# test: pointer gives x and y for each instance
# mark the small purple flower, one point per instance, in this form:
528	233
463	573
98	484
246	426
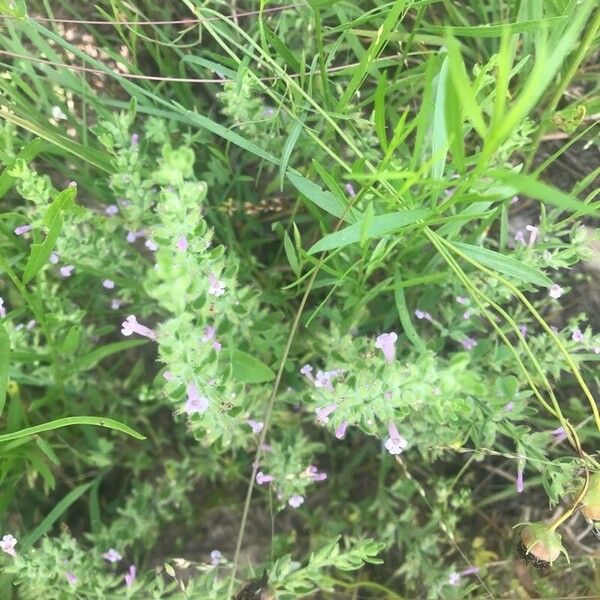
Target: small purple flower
520	237
66	270
256	426
135	139
454	579
519	481
324	412
130	575
395	444
115	303
306	370
261	478
168	375
182	244
509	406
534	230
8	543
323	380
468	343
134	235
386	342
559	435
523	329
151	245
350	189
109	284
111	210
215	286
470	571
421	314
21	229
216	345
54	258
215	557
577	335
340	432
296	501
209	333
555	291
313	473
2	309
462	300
71	578
112	556
195	402
130	325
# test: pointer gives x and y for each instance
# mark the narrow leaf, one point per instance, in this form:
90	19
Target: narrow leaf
248	369
4	362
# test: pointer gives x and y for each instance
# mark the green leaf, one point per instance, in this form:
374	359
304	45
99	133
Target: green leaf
4	362
403	314
248	369
528	185
439	135
68	422
379	226
72	339
27	153
504	264
290	252
288	149
54	515
95	356
323	199
40	253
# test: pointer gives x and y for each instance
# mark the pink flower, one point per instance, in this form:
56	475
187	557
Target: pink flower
216	345
559	435
135	139
8	543
340	432
215	557
112	556
533	233
261	478
421	314
313	473
66	270
195	402
306	370
130	575
350	189
168	375
215	286
555	291
109	284
468	343
71	578
395	444
111	210
182	244
296	501
577	335
209	333
130	325
323	413
21	229
256	426
386	342
323	380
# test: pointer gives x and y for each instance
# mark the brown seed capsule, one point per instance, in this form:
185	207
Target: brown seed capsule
590	505
541	542
257	589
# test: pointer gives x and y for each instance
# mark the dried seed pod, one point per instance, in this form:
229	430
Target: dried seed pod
590	505
257	589
543	543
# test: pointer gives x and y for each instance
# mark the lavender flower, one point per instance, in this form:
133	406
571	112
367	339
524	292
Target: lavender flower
111	210
130	576
555	291
71	578
296	501
115	303
340	432
195	402
209	333
468	343
130	325
509	406
386	342
21	229
54	258
421	314
151	245
559	435
520	237
350	189
2	309
109	284
534	230
323	380
112	556
307	370
523	329
323	413
215	286
395	444
256	426
168	375
135	139
313	473
215	557
182	244
577	335
261	478
519	481
66	270
454	579
8	543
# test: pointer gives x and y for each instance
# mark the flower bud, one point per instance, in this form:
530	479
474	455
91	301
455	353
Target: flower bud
542	542
590	505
